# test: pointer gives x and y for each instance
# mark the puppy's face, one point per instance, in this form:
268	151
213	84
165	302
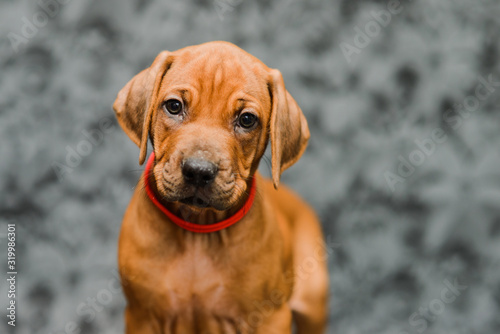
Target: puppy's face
209	130
209	111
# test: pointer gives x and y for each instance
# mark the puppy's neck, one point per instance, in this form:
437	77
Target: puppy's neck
201	216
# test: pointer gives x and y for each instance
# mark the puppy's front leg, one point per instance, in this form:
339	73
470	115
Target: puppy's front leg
138	322
279	322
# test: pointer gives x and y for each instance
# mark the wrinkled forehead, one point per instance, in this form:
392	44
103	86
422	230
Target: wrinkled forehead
219	74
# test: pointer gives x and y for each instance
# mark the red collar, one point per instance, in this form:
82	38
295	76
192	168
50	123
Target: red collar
197	227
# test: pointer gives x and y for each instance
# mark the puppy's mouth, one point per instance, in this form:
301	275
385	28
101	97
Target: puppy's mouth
195	201
201	198
218	198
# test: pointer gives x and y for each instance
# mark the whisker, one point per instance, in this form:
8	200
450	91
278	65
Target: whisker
241	177
243	191
268	162
135	170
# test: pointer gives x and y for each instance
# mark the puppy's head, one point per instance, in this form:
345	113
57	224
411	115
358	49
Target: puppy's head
209	111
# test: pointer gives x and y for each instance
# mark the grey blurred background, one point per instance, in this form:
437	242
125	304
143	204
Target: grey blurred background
403	165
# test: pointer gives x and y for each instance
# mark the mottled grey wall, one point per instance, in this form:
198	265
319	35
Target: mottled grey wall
402	167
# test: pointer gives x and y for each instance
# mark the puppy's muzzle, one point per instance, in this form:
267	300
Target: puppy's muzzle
199	172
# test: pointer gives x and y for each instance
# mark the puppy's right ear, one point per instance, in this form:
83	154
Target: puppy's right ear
135	103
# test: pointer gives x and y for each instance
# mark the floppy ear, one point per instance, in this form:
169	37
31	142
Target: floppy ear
134	106
289	130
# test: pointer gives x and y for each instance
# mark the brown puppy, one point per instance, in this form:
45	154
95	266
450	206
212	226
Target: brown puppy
209	111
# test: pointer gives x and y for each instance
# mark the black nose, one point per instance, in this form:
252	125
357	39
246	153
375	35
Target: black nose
198	172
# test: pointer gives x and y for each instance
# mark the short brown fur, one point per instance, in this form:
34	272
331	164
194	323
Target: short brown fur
243	279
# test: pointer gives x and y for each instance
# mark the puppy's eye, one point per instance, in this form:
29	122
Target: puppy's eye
247	120
173	106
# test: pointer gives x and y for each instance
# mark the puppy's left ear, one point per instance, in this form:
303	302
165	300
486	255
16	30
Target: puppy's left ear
289	130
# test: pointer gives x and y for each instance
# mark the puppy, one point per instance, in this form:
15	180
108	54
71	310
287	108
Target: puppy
207	244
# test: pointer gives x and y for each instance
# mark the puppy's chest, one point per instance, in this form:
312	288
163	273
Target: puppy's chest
196	280
203	282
